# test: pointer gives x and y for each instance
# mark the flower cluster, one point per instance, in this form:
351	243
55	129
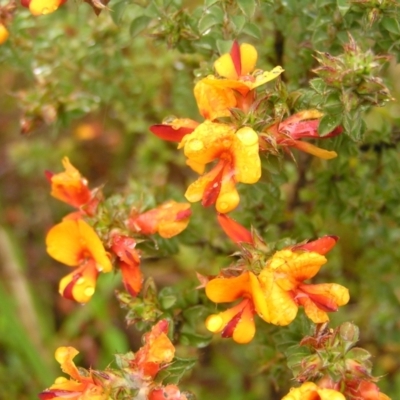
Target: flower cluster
233	145
277	291
76	243
136	375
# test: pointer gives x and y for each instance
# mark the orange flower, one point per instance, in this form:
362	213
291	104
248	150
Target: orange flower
128	262
310	391
363	389
168	220
80	387
157	351
299	126
282	281
238	161
42	7
235	85
236	322
76	244
69	186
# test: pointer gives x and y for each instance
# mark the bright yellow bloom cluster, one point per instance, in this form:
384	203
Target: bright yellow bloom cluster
276	293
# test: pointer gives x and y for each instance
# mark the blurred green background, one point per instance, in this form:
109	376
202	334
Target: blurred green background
87	87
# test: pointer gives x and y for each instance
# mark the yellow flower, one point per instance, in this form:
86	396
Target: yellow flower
76	244
282	281
238	161
238	321
235	85
80	387
310	391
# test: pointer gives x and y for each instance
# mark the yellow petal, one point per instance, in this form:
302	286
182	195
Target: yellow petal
247	158
245	329
225	290
73	241
225	67
266	76
3	33
207	142
314	150
248	58
64	356
243	87
42	7
80	284
213	102
281	308
161	350
297	265
228	198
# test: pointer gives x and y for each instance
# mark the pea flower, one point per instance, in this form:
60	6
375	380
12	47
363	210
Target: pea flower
234	87
238	321
310	391
76	244
156	353
237	161
80	387
170	392
129	263
69	186
173	130
282	281
168	220
289	132
363	389
42	7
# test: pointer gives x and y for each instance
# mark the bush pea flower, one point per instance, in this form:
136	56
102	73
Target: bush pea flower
235	85
76	244
310	391
237	158
42	7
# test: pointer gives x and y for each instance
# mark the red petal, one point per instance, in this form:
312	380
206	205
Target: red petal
48	175
167	132
231	325
235	231
236	57
321	246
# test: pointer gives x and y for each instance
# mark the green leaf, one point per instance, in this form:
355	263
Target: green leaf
252	30
176	369
391	24
343	6
318	85
138	25
207	21
329	123
248	7
238	22
224	46
209	3
118	11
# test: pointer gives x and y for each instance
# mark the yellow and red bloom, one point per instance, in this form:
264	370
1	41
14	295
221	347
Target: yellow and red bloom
80	387
310	391
156	353
42	7
168	220
288	133
238	321
238	161
69	186
76	244
363	389
128	262
282	281
234	88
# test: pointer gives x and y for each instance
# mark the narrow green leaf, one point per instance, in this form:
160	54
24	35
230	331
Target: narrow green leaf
343	6
238	22
118	10
206	22
391	24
